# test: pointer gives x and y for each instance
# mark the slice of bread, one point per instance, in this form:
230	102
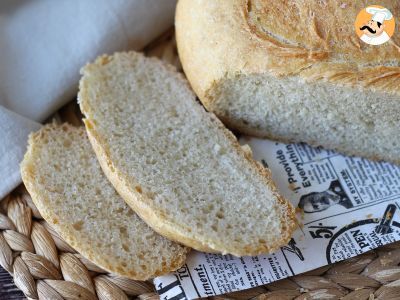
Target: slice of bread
294	71
175	164
64	178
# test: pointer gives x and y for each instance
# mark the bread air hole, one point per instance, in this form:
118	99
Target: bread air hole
125	247
67	143
78	225
220	215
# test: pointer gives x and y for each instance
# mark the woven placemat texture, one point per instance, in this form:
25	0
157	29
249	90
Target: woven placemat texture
44	266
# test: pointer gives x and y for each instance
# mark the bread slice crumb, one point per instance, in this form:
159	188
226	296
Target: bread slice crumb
175	164
61	172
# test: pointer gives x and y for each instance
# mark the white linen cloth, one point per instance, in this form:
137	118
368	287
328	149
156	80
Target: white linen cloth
44	43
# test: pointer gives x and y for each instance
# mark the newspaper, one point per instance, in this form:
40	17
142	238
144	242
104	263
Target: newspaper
348	206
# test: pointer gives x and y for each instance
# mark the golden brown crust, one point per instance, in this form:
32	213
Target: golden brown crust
162	223
312	39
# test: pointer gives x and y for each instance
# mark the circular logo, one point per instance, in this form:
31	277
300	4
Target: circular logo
375	25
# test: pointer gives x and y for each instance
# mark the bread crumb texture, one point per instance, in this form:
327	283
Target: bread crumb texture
176	164
64	178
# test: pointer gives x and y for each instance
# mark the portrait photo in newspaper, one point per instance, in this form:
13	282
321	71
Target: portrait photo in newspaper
318	201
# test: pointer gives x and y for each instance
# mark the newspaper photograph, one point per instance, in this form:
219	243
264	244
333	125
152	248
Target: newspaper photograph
346	206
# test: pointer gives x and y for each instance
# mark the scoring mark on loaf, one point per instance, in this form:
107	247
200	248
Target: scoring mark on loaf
260	14
325	51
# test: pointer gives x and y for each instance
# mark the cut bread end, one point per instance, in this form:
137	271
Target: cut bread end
67	185
345	119
175	164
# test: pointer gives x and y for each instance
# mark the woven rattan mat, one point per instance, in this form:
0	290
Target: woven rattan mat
44	266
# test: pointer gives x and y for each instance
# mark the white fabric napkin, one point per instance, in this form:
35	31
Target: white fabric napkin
44	43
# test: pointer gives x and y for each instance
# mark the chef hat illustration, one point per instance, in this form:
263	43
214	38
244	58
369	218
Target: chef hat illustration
379	14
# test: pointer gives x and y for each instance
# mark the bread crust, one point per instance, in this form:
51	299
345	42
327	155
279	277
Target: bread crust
312	42
160	222
67	232
222	38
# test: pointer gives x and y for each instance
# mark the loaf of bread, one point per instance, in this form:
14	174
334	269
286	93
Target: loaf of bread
294	71
175	164
61	172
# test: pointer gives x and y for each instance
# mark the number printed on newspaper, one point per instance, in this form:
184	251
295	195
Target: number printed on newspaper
347	206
